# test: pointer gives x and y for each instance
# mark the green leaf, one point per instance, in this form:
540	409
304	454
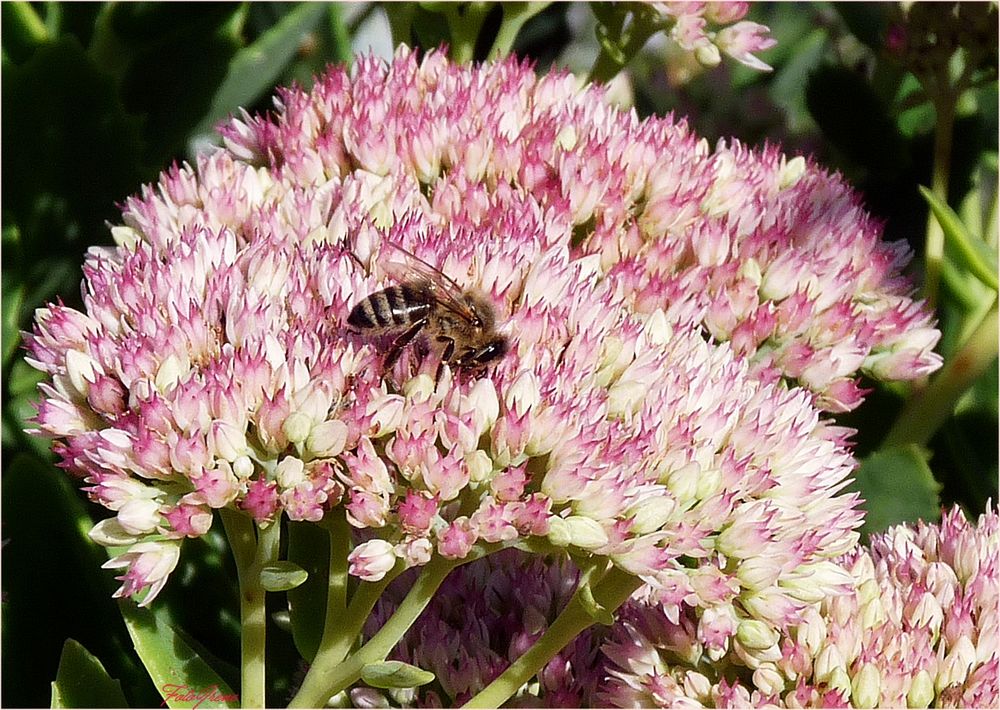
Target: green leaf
428	28
255	68
975	255
395	674
898	487
282	576
785	88
13	298
54	587
82	681
171	61
70	151
172	664
868	21
23	29
309	548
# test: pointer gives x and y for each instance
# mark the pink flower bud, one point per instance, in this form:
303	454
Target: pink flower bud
371	560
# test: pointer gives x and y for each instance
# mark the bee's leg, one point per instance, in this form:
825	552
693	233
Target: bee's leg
400	342
449	350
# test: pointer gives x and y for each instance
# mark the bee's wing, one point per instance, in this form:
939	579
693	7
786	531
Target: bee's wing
405	266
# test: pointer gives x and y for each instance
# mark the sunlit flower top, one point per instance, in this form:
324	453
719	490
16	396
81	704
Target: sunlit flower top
213	366
918	628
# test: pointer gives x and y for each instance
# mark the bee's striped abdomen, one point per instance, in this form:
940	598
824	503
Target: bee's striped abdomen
394	307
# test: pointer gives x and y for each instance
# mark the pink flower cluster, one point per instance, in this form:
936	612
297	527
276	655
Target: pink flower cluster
918	628
213	366
704	29
482	619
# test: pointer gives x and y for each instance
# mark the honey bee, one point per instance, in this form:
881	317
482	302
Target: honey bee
459	324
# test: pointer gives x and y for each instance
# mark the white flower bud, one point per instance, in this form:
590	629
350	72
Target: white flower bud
811	633
612	363
813	583
651	514
419	388
566	138
955	667
658	329
750	270
755	634
81	370
709	483
756	573
387	414
479	465
828	660
139	516
586	533
697	686
126	237
243	467
327	438
769	681
625	397
866	688
227	441
840	680
290	472
485	405
371	560
559	532
297	427
708	55
523	395
110	533
790	171
170	372
921	692
683	483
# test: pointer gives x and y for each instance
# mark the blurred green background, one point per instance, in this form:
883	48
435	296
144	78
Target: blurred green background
99	97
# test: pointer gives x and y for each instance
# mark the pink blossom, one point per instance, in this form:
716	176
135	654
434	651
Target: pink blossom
610	249
148	565
371	560
910	629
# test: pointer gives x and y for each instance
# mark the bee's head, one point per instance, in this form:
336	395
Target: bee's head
483	313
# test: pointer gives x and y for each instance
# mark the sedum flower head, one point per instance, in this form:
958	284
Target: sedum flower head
213	366
917	628
482	619
703	31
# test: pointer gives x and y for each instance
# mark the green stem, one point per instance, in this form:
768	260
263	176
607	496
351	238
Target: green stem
605	68
253	614
339	34
326	678
26	23
400	16
340	547
934	252
343	628
464	23
610	593
928	409
515	14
